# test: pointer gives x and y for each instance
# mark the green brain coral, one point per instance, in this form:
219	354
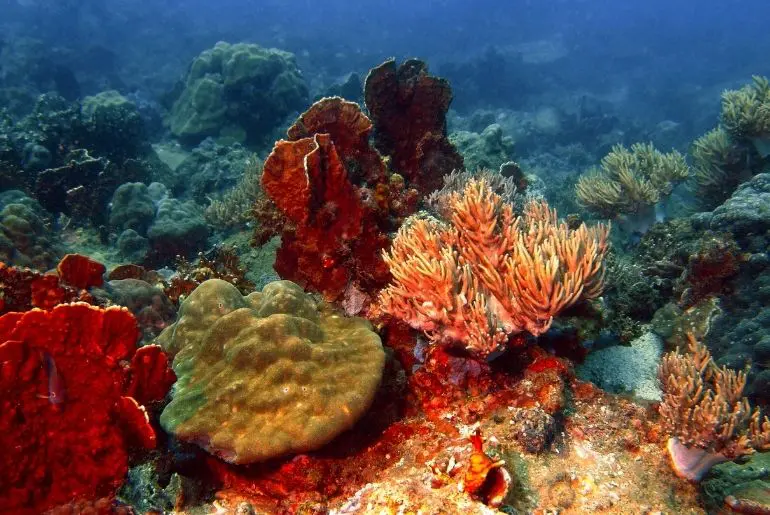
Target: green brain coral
273	373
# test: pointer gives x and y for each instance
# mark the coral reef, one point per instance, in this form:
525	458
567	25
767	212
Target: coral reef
242	91
132	207
507	187
705	413
235	207
631	181
746	113
109	117
335	233
739	485
82	187
487	150
210	170
178	229
67	416
720	165
490	274
465	391
408	108
221	262
25	235
268	374
132	246
148	303
746	214
24	289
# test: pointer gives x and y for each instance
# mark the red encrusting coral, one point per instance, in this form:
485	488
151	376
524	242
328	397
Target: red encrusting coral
22	289
66	420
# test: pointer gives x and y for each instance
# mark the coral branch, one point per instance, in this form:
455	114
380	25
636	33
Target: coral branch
489	273
705	413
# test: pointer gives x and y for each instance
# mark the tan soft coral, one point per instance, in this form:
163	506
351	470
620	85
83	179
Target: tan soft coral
705	413
488	273
746	111
631	180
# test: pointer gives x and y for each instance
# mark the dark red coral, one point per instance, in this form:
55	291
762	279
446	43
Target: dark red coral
22	289
408	107
349	129
710	268
81	271
65	419
151	375
333	234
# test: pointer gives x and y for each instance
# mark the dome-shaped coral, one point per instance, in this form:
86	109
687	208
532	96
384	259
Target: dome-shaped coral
269	374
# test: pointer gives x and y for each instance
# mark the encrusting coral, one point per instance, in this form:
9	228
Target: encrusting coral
705	413
269	374
489	273
631	180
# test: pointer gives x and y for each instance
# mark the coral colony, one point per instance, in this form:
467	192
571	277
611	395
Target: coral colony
361	321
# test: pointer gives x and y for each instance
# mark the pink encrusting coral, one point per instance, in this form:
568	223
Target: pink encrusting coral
705	413
489	273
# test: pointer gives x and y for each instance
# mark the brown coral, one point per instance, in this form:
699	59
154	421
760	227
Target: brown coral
705	413
630	180
408	107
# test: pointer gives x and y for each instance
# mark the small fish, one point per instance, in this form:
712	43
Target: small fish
57	393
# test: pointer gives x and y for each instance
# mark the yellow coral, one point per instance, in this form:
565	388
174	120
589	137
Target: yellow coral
268	374
746	111
711	154
630	180
489	273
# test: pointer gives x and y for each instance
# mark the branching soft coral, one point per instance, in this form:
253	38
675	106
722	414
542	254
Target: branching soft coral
746	111
489	273
705	413
630	181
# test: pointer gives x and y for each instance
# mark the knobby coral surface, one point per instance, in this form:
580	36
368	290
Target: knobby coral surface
703	408
489	273
269	374
67	408
631	180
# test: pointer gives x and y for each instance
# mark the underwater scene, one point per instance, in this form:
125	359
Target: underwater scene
384	257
